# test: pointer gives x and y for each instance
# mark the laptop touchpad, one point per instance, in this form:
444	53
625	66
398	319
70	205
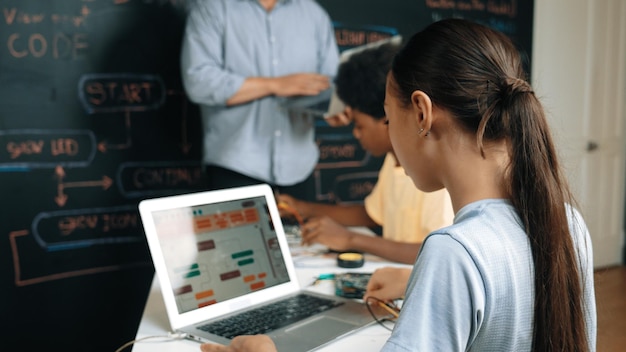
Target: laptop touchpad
324	328
312	334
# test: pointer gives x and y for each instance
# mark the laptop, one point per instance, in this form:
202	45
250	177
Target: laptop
223	255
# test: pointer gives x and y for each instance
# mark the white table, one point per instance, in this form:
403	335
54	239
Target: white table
154	321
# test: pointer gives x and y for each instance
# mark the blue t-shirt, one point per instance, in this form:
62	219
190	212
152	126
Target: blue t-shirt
472	286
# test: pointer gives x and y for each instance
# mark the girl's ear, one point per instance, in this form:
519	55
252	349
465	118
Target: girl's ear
422	107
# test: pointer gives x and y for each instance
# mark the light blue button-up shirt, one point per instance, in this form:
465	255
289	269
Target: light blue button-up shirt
228	40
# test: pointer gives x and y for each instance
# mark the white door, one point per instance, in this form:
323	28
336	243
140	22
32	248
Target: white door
579	72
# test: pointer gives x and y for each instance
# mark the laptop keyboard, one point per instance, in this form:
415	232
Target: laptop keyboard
270	317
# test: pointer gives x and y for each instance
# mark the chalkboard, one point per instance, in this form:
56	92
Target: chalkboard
93	119
345	172
365	20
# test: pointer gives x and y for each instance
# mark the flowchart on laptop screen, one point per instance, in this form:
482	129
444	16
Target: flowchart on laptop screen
219	251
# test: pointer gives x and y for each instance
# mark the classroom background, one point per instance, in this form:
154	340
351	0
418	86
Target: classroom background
93	119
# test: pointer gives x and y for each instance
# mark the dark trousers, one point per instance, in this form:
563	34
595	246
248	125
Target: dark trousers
220	178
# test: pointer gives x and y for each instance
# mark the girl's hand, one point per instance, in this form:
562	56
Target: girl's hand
244	343
388	283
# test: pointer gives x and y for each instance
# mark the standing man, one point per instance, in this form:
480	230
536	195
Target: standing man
245	62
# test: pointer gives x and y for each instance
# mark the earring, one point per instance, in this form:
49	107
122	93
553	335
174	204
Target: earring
420	131
427	133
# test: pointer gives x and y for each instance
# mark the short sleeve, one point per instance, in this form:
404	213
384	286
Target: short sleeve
374	202
445	300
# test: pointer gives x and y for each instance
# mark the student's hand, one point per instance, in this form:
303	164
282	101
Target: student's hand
244	343
328	232
289	206
299	84
388	283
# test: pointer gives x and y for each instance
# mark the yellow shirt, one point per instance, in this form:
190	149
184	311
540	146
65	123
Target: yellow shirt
406	213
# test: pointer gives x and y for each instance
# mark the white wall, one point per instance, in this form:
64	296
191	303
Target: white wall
578	71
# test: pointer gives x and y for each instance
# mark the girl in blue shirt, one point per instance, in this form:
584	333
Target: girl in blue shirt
515	270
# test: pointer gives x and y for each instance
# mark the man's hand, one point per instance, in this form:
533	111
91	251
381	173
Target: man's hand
244	343
285	86
299	84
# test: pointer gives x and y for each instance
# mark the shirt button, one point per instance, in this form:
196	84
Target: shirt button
272	39
277	133
275	62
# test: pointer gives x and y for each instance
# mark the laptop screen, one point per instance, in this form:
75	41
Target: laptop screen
218	251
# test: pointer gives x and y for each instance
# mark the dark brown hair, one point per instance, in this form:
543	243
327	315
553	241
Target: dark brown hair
360	81
477	74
